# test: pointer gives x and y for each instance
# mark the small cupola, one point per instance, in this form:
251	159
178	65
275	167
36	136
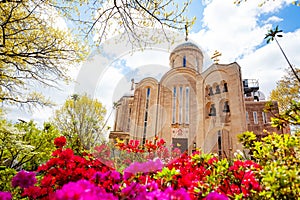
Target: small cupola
188	55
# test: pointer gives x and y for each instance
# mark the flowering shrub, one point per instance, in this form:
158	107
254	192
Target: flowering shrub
5	196
60	142
82	189
279	154
24	179
216	196
121	155
149	166
63	168
201	174
196	176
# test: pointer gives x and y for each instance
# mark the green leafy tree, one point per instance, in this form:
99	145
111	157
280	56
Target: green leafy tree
81	118
290	116
33	51
287	90
24	146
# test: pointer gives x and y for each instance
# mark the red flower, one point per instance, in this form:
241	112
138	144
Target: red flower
59	142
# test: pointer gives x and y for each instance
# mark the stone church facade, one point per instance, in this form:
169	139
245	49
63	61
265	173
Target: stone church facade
188	107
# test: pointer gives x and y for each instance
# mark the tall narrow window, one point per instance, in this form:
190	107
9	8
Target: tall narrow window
264	116
247	117
146	114
180	104
220	143
226	107
255	117
128	122
212	111
184	61
174	106
225	88
197	64
187	105
218	91
210	93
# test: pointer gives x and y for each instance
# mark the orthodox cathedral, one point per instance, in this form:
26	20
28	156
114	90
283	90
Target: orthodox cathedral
191	108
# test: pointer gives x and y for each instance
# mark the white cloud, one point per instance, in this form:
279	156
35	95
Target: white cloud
273	19
236	32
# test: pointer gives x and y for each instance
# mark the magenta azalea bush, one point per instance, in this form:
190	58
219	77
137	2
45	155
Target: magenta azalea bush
24	179
67	176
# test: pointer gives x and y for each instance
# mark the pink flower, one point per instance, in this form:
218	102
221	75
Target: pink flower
24	179
82	190
145	167
5	196
216	196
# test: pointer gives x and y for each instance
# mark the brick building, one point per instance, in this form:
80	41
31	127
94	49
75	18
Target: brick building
190	108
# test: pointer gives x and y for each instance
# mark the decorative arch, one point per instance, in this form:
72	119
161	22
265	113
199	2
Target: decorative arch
147	82
189	72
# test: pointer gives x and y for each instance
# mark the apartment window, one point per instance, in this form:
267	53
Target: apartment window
180	104
264	117
184	61
146	114
187	104
174	106
255	117
247	117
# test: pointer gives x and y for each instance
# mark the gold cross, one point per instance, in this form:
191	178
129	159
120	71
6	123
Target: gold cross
216	56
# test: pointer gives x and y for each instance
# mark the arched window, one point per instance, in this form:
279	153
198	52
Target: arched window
210	92
212	110
218	89
187	105
174	106
184	61
180	104
146	114
226	107
225	88
220	143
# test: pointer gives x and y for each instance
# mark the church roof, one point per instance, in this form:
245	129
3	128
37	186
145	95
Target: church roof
186	44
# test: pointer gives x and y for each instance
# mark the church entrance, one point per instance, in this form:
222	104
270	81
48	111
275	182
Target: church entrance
180	143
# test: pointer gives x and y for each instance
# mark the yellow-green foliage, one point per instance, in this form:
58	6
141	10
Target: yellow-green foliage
24	146
33	49
279	155
83	118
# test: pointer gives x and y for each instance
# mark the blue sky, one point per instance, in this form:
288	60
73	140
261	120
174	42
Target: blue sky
290	15
236	31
